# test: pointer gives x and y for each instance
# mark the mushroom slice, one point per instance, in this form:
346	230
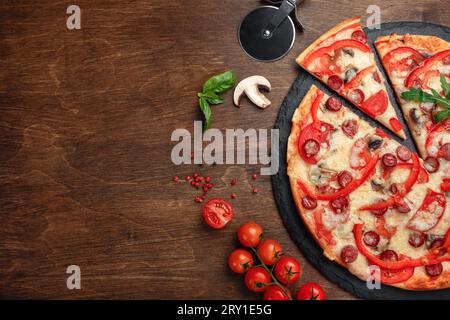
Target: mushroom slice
250	87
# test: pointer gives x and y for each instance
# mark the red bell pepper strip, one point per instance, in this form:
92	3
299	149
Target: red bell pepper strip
428	259
426	65
335	46
356	80
402	189
323	233
423	174
315	108
353	185
446	244
430	212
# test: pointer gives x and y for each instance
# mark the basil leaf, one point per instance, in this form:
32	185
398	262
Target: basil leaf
220	83
416	95
211	97
206	109
442	115
422	96
445	86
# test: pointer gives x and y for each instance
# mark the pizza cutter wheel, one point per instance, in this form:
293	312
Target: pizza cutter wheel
267	33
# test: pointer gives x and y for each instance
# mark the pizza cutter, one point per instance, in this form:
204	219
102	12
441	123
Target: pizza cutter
267	33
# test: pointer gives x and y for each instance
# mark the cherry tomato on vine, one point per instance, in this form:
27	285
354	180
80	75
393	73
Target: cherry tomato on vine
274	292
217	213
249	234
311	291
287	270
257	279
269	251
240	260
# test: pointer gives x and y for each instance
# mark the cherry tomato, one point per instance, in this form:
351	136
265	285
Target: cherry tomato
217	213
269	251
274	292
287	270
240	260
249	234
311	291
257	279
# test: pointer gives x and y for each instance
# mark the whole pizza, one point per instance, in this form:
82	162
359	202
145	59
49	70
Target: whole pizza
373	205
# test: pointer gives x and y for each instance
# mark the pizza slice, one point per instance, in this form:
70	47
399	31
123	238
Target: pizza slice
342	59
366	199
417	66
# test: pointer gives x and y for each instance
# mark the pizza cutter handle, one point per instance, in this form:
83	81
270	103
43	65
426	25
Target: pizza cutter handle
282	13
277	19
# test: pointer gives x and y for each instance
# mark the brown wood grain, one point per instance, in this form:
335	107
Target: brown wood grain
85	124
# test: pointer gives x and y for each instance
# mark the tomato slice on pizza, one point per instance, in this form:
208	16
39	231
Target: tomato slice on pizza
342	59
419	62
369	202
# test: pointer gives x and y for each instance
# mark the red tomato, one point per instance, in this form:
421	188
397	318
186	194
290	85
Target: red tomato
217	213
311	291
274	292
269	251
376	104
249	234
287	270
402	59
240	260
257	279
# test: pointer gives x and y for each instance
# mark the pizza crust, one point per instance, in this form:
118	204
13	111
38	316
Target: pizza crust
430	44
344	24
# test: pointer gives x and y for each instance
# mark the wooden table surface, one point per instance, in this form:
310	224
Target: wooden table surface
85	123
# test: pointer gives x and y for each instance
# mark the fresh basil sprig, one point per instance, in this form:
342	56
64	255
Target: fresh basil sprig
419	95
210	93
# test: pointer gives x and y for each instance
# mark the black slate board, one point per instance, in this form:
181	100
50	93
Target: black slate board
281	187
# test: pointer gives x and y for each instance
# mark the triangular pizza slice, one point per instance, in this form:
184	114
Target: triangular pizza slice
419	66
342	59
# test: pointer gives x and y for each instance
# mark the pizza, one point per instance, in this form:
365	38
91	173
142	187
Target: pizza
418	62
342	59
368	201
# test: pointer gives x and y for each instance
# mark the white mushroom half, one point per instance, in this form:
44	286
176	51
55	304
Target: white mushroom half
250	87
